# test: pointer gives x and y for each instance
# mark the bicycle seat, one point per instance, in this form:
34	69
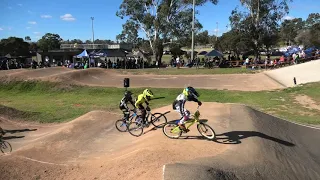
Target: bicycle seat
203	120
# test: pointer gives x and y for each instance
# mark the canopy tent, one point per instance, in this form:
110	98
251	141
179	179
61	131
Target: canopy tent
83	54
100	53
214	53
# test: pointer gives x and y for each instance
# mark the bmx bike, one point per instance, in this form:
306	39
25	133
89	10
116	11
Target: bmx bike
122	124
135	128
172	129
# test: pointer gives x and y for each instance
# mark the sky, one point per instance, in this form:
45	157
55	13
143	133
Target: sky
71	18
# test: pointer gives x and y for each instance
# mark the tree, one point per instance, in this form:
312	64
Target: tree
203	38
49	42
313	18
14	46
233	41
33	47
260	17
27	38
160	20
289	29
175	49
315	35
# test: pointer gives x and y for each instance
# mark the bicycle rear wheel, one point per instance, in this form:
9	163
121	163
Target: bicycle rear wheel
135	128
206	131
121	125
5	147
158	120
172	130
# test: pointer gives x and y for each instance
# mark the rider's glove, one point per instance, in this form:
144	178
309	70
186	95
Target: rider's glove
199	103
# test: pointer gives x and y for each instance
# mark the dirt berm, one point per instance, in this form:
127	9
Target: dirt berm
250	145
262	147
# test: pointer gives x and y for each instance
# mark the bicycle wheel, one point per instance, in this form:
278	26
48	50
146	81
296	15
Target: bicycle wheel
121	125
205	129
135	128
5	147
158	120
172	130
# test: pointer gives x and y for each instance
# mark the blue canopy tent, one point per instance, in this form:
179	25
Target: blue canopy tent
82	55
214	53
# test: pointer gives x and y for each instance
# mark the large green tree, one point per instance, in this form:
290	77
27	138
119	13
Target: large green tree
259	18
290	28
203	38
159	20
14	46
49	42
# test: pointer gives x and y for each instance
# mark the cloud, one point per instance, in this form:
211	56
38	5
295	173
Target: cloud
32	22
9	28
36	32
9	7
28	27
1	29
288	17
67	17
46	16
30	12
19	4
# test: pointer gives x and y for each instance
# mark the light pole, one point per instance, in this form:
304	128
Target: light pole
192	45
217	32
92	18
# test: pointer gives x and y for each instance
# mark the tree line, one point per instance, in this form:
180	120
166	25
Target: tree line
258	26
16	46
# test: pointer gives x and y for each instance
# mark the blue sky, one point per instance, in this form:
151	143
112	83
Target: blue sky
71	19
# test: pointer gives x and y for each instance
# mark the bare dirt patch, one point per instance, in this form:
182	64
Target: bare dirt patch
307	102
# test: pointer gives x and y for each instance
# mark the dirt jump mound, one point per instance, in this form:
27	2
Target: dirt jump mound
261	147
249	145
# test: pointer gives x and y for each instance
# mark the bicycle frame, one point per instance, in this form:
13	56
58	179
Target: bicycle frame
189	123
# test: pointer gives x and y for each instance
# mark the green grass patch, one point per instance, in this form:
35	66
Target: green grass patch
187	71
53	102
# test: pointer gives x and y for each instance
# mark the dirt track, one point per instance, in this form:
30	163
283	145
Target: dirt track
93	148
250	145
109	78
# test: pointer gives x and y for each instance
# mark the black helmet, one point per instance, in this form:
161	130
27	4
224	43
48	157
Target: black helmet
191	92
128	94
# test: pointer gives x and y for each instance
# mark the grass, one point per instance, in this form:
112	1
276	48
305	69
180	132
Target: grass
52	102
187	71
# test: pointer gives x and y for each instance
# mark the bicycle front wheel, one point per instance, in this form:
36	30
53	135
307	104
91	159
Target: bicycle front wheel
5	147
172	130
206	131
121	125
158	120
135	128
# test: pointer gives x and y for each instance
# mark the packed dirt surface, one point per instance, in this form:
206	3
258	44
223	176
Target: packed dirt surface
249	145
263	147
90	147
307	102
110	78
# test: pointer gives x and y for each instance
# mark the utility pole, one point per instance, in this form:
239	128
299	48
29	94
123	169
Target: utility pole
92	18
217	32
192	45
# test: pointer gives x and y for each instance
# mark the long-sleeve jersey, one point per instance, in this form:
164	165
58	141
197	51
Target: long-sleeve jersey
124	102
140	100
181	101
